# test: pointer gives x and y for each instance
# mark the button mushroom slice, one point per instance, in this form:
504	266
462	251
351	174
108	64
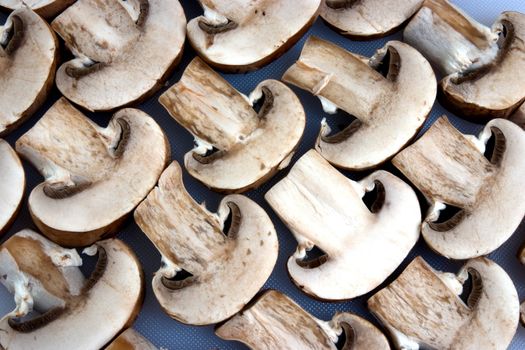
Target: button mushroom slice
422	307
390	95
236	35
94	176
72	311
131	340
274	321
45	8
482	65
368	19
12	185
28	48
209	271
485	205
124	50
519	117
237	148
361	246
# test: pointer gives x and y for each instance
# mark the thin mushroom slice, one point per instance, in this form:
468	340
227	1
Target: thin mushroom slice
274	321
521	257
56	304
237	148
236	35
482	66
390	95
45	8
94	176
28	48
361	246
131	340
124	49
12	185
422	307
482	195
209	271
368	19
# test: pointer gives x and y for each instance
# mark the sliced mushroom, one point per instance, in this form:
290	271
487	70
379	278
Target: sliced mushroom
28	48
131	340
209	271
274	321
124	50
361	246
237	149
368	19
236	35
482	66
519	117
390	95
482	197
93	176
12	185
45	8
56	304
422	307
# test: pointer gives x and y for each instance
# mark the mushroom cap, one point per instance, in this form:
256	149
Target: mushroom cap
249	35
367	19
94	176
131	340
226	269
45	8
250	147
362	247
124	51
450	169
31	52
421	308
389	109
12	185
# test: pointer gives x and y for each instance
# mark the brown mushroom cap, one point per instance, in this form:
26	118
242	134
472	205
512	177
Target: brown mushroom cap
131	340
12	185
45	8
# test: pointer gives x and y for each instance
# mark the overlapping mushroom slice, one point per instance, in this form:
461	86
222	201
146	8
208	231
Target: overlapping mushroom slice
45	8
93	176
482	197
483	66
28	48
367	19
209	271
391	95
131	340
12	185
362	246
422	307
237	148
56	306
124	50
274	321
238	35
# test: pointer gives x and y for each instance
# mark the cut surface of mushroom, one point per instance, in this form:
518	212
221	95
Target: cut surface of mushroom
55	303
482	194
209	271
367	19
422	307
390	107
45	8
131	340
247	147
94	176
274	321
124	50
12	185
361	246
28	48
482	66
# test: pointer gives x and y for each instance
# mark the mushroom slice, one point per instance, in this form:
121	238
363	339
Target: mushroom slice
124	50
93	176
209	271
368	19
45	8
274	321
482	66
28	48
236	35
422	307
56	304
12	185
519	117
131	340
482	197
361	246
390	95
237	149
